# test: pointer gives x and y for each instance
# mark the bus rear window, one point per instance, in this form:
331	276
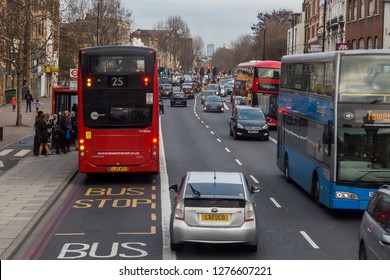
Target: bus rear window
115	64
130	115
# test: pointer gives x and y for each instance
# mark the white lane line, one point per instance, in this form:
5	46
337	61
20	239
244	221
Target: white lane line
254	179
1	164
212	132
273	140
275	202
5	152
227	150
238	162
22	153
219	140
167	253
207	126
311	242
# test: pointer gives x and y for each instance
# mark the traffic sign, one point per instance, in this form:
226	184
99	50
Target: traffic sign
73	73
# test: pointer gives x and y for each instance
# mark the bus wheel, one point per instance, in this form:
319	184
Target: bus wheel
316	188
287	170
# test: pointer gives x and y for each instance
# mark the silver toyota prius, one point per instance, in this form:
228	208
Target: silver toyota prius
214	207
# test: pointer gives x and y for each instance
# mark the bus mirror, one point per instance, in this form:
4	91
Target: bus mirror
326	138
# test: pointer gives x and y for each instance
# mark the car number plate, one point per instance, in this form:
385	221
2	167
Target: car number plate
253	131
119	168
215	217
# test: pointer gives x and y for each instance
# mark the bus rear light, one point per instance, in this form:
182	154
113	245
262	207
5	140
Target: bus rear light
146	81
89	82
155	140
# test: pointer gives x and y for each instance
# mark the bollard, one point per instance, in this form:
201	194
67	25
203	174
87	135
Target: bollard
1	133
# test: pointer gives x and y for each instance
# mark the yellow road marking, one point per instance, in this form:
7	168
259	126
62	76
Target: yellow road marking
152	231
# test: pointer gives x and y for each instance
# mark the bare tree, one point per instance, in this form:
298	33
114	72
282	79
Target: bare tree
224	60
20	48
176	32
269	34
243	49
92	23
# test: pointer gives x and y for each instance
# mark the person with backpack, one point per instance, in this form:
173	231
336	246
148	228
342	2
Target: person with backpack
29	100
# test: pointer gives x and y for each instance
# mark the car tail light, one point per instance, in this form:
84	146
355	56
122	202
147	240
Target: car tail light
249	212
179	211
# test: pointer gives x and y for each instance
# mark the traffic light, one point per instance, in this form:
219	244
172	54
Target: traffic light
208	69
161	71
215	71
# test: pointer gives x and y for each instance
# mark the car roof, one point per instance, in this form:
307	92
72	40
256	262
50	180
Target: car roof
247	107
220	177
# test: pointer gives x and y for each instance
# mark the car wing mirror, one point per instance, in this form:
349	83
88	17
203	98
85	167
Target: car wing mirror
255	189
173	188
385	239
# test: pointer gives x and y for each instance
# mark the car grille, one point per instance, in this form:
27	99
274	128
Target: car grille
253	128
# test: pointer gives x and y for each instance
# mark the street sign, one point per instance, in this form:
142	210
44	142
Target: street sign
73	73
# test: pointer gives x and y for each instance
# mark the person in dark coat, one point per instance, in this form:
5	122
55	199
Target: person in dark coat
43	133
29	100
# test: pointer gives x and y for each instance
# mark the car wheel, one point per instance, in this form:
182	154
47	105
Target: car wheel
287	170
175	246
316	188
171	105
362	252
266	138
230	130
235	135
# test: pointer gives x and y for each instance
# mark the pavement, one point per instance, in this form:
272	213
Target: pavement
30	188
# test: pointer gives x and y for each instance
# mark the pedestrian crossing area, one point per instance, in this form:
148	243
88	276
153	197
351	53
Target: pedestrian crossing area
13	153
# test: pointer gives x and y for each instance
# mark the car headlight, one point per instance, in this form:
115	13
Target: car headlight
265	126
240	126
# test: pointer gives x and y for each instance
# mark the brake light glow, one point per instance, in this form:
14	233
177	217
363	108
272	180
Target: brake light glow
89	82
146	81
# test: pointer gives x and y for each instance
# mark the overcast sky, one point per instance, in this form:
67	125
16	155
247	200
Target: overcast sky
215	21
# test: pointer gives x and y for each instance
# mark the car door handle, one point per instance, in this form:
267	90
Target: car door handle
369	229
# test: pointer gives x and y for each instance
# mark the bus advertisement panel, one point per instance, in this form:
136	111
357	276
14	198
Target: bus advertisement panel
258	81
118	110
334	125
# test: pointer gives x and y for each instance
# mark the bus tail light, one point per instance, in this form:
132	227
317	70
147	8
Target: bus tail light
89	82
81	145
146	81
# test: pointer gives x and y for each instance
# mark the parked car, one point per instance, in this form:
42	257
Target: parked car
374	232
247	121
166	90
178	99
205	94
214	207
213	103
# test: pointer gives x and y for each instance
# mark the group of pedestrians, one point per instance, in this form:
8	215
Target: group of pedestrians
60	133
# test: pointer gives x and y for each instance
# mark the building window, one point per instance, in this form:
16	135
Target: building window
362	10
376	43
361	44
370	7
355	5
369	43
354	44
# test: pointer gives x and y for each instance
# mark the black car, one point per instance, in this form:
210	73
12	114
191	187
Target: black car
166	90
205	94
188	89
213	103
247	121
178	99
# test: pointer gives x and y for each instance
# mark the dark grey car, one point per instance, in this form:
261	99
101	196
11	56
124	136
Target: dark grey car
250	122
213	103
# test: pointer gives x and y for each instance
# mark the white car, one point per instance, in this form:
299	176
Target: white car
214	207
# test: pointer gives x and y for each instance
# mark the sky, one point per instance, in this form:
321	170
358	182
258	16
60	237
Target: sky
217	22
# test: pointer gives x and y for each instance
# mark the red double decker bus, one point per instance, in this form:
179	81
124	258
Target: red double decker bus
118	110
258	81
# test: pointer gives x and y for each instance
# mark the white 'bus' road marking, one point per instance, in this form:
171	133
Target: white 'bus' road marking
311	242
22	153
275	202
238	162
254	179
5	152
227	150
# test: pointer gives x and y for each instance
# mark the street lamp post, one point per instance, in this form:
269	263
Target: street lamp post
323	26
264	45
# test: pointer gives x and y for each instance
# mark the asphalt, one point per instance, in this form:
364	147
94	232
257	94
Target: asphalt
29	189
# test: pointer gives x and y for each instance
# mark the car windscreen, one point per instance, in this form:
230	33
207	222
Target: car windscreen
250	115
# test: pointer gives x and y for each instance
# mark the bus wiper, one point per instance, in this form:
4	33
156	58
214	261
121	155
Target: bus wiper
375	101
367	173
194	191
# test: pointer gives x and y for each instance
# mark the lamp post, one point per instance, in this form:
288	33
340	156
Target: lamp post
264	45
323	26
